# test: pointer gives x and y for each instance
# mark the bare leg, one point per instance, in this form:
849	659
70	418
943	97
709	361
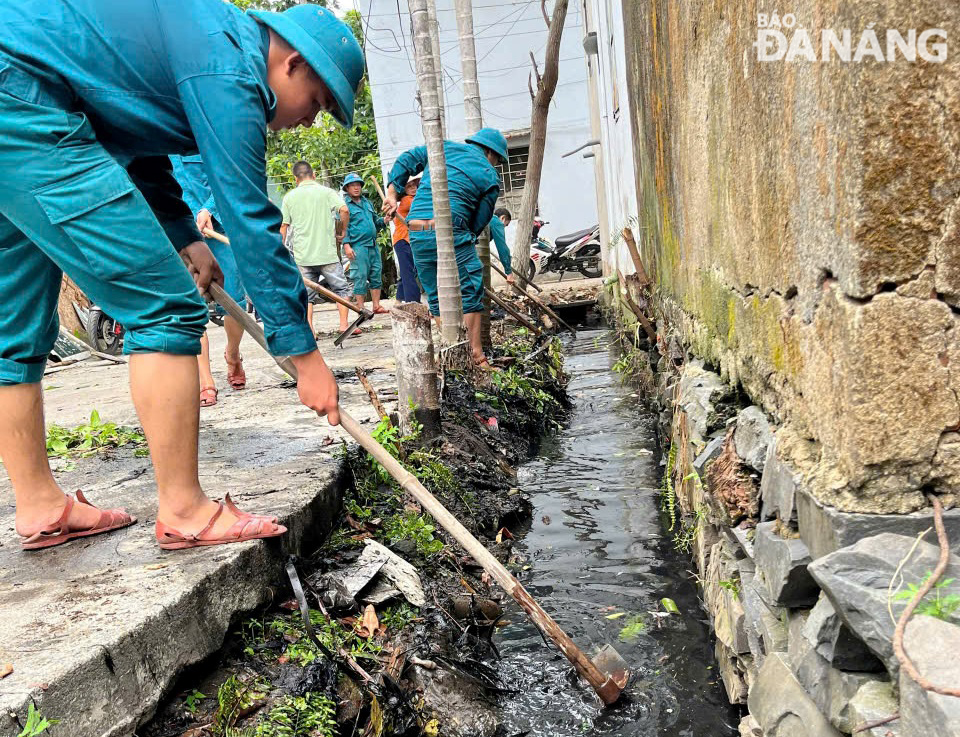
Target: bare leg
472	322
343	317
358	300
234	331
375	295
203	362
167	398
23	449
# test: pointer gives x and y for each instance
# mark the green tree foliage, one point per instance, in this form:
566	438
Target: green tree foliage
277	5
331	150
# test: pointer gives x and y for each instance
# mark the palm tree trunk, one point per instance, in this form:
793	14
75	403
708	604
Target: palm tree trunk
448	280
474	120
438	63
546	86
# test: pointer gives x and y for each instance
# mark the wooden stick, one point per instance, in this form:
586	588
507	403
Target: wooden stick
605	685
635	256
383	197
536	300
374	399
635	309
509	309
211	233
522	278
108	357
333	297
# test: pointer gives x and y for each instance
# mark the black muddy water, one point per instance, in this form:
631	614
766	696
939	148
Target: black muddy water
600	562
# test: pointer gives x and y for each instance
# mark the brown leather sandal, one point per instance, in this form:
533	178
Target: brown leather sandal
236	376
246	528
59	532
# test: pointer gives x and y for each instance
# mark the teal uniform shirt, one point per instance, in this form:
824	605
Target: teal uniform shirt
474	186
499	235
364	223
146	80
366	270
472	180
190	175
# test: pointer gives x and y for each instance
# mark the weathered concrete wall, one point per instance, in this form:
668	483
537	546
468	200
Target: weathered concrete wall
802	222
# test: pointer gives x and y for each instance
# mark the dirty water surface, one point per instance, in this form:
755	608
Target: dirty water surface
600	561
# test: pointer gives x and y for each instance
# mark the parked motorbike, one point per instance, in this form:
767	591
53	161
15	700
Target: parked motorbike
105	333
579	251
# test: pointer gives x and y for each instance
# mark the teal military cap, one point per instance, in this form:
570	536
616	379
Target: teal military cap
328	45
492	139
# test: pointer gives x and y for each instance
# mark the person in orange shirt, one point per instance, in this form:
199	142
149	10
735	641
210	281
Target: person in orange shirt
408	290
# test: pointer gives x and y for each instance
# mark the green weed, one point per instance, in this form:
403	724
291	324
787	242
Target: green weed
688	530
941	606
193	700
312	715
634	627
668	494
36	722
331	634
410	526
397	617
732	585
235	697
88	439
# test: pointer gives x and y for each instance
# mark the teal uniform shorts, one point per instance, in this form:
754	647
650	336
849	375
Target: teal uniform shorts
66	205
366	269
424	246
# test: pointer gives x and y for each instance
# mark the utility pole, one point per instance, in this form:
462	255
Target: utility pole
473	115
448	280
546	86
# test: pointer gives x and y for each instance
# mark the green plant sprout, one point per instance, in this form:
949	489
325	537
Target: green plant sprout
87	439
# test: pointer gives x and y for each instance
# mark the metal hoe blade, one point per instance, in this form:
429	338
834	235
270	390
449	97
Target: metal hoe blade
609	662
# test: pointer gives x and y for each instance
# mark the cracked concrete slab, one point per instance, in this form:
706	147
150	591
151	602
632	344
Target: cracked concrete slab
98	629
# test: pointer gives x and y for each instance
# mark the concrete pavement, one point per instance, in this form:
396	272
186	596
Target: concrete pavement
97	630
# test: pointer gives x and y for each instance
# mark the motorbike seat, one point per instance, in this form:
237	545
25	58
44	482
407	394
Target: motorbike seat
566	240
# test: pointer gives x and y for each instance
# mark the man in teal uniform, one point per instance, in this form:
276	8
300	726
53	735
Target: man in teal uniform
501	219
360	244
474	186
94	96
189	173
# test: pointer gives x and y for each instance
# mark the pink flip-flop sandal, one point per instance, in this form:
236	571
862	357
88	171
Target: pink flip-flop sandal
59	532
245	528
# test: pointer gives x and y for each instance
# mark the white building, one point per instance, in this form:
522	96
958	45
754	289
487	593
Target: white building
506	32
616	184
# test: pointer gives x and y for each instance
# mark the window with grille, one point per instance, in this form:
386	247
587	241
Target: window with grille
513	174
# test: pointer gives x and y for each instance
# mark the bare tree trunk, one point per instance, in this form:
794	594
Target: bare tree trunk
70	293
438	62
418	385
473	115
546	86
448	279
